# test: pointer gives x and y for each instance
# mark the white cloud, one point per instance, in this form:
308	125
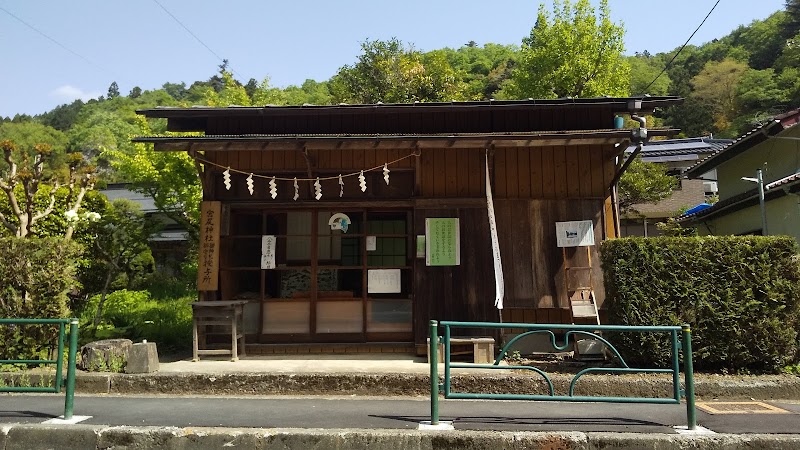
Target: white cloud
68	93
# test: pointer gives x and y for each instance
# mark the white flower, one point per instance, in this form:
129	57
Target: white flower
72	215
91	216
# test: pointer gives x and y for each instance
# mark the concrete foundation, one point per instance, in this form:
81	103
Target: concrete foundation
35	437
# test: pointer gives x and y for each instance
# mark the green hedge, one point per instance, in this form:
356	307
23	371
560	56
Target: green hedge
35	276
740	294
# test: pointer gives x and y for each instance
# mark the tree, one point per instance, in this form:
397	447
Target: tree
122	240
574	53
136	92
21	183
62	117
389	72
482	69
792	24
716	86
170	178
643	182
175	90
113	91
646	70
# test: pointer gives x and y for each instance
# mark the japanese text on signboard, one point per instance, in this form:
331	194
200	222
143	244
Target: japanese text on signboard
207	273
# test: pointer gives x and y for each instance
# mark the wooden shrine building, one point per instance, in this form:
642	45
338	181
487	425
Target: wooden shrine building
335	223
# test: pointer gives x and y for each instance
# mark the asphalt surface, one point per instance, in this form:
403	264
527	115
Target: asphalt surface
385	413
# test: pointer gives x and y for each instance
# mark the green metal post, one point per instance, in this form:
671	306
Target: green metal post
60	356
691	413
433	356
73	350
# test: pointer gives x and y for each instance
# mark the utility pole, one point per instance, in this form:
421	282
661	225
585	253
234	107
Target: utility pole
759	179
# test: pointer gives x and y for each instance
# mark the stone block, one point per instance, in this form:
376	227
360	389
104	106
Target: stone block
108	355
49	437
142	358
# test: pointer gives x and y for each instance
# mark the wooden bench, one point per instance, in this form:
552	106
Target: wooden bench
481	349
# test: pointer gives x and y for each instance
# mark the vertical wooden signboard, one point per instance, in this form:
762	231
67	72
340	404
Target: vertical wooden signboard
208	266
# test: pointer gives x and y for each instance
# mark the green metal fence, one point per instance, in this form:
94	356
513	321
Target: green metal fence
684	343
59	381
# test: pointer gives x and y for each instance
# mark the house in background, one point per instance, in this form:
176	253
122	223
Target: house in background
774	149
677	155
355	225
170	245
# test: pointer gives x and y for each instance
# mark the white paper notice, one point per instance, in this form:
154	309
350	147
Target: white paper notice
268	252
372	243
579	233
383	281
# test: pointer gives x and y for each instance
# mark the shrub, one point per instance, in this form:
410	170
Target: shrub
136	315
35	275
741	295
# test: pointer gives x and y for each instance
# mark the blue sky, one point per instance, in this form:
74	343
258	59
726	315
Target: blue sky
136	43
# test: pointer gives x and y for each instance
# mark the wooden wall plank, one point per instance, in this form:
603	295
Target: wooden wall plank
598	185
585	171
427	161
548	173
524	172
536	172
439	174
511	178
560	179
464	179
450	172
347	161
500	174
574	180
521	260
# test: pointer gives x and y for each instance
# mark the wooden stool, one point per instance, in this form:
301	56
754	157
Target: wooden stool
227	314
482	349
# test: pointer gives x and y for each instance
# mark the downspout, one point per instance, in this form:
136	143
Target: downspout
637	136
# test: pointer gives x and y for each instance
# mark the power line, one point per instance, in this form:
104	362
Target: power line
194	35
682	47
85	59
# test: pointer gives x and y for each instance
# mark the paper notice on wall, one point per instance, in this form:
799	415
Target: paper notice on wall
268	252
372	243
384	281
579	233
442	242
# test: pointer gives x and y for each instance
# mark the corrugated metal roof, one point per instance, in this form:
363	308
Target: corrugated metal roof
145	202
688	146
648	104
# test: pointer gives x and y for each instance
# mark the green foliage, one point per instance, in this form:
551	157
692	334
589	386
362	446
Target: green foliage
574	53
136	315
389	72
741	296
645	69
643	182
716	86
170	178
483	70
35	276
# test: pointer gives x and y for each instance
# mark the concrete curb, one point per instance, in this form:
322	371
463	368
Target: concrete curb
85	437
771	387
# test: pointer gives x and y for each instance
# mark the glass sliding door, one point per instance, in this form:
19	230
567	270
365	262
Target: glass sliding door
311	282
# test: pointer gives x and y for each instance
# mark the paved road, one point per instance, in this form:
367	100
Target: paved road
392	413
